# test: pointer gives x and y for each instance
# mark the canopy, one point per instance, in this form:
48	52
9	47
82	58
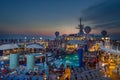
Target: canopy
110	50
76	42
8	46
35	46
38	54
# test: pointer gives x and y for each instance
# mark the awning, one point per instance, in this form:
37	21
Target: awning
77	42
8	46
35	46
110	50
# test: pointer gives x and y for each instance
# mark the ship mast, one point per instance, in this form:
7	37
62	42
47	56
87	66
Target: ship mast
80	27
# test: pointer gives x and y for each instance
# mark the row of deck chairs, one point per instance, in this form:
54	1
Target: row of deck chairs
90	75
82	69
22	77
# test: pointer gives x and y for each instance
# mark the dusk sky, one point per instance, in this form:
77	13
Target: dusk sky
44	17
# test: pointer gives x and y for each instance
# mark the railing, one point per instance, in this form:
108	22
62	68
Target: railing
111	49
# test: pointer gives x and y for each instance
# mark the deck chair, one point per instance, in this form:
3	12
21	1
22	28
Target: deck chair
34	78
82	69
93	76
79	77
40	78
89	77
79	70
72	77
86	68
105	78
99	73
83	76
96	74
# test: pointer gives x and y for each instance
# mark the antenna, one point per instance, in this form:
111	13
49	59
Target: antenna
80	20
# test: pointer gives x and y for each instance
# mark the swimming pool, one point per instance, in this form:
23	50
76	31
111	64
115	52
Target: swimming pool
71	60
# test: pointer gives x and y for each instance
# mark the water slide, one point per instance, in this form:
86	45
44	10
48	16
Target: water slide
64	76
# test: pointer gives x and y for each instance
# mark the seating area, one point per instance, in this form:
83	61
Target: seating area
77	73
22	74
22	77
55	71
88	75
85	73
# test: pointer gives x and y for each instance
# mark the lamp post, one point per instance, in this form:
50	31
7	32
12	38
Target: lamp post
40	38
45	77
47	68
117	58
25	40
117	47
33	40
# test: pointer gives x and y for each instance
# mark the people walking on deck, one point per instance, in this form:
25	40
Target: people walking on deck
67	74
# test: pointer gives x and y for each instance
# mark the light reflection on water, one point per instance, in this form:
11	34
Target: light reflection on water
71	60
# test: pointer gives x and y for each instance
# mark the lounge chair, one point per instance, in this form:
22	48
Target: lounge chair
89	77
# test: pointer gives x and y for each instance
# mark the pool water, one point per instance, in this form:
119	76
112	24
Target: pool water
71	60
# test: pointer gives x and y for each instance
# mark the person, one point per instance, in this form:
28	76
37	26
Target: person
72	68
68	72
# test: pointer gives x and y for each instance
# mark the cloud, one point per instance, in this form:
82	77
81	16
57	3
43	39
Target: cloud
105	15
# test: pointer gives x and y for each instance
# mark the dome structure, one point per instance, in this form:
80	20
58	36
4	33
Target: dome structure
57	34
87	29
104	33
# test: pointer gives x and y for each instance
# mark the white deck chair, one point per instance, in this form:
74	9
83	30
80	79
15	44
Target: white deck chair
41	78
79	77
105	78
93	76
96	74
21	77
82	69
83	76
79	70
88	76
33	77
99	73
86	68
72	77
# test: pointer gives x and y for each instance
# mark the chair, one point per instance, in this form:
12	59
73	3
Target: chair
72	77
88	76
16	78
78	70
11	77
79	77
86	68
83	76
93	76
105	78
21	77
5	77
40	78
34	78
82	69
96	74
